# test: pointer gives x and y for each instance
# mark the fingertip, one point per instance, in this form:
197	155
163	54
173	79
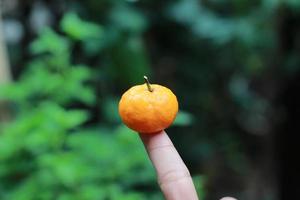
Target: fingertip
151	134
151	140
173	176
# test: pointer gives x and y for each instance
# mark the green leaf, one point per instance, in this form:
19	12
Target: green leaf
293	4
68	168
25	191
199	182
91	191
206	24
130	56
110	110
128	19
78	29
50	42
183	119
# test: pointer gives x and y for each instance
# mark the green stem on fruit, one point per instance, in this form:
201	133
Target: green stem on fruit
148	84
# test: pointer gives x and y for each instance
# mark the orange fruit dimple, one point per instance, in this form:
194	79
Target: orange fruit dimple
148	112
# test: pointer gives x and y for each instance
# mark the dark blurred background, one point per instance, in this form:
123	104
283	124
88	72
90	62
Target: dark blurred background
234	66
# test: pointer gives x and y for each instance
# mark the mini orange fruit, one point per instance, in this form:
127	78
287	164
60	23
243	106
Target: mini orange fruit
148	108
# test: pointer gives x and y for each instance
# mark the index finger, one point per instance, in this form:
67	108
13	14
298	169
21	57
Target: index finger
173	176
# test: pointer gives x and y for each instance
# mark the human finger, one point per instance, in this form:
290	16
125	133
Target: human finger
228	198
173	176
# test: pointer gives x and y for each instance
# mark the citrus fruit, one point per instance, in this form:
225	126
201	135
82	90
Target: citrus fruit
148	108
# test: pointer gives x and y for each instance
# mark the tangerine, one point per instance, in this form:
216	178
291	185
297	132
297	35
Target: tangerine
148	108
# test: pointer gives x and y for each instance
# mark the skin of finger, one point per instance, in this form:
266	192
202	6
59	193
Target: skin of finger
181	189
173	176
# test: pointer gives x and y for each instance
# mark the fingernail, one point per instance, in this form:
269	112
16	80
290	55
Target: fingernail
228	198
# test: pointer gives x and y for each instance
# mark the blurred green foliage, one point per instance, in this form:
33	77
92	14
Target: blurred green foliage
225	60
46	151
